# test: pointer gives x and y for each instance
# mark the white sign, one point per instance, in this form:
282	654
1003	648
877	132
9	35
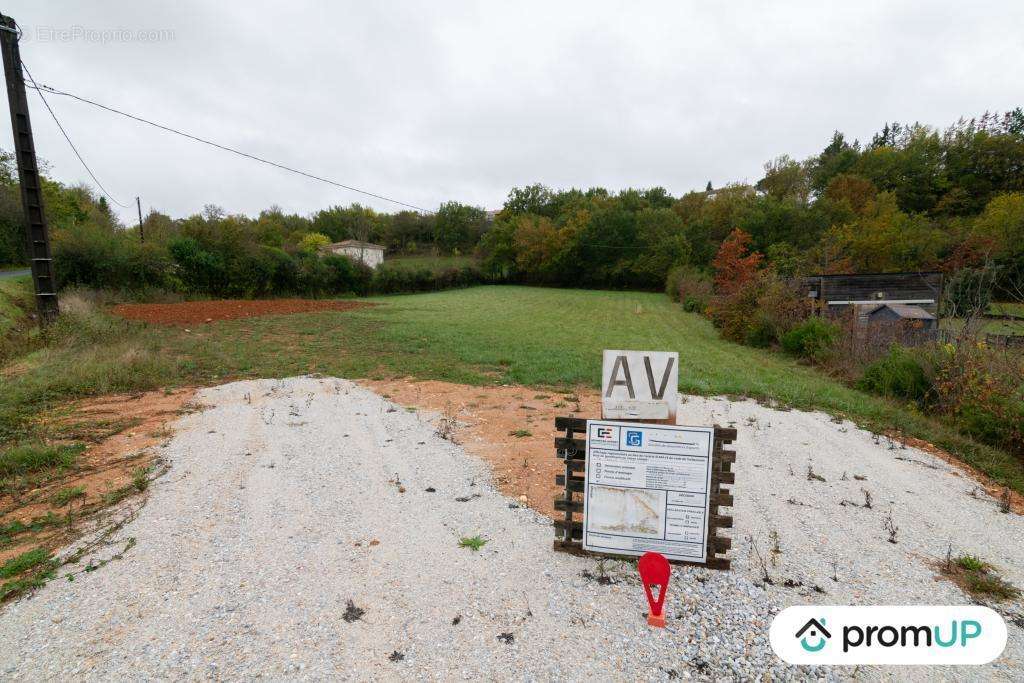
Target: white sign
888	634
647	489
640	385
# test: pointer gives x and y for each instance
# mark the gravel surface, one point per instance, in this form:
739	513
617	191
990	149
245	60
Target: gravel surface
309	529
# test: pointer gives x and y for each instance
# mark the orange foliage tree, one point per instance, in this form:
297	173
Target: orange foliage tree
734	265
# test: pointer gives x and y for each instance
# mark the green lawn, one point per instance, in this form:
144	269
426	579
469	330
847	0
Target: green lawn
434	264
543	337
1007	309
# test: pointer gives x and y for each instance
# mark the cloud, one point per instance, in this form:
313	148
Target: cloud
427	102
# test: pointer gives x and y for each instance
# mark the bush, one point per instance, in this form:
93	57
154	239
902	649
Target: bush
900	374
690	286
968	292
981	390
812	339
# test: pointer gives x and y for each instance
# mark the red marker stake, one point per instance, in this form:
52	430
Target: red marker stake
655	570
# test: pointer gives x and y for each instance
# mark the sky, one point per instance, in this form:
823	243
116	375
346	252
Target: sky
427	102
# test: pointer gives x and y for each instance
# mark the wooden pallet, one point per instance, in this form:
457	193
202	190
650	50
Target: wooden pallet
571	447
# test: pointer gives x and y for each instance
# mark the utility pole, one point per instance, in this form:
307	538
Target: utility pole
142	234
38	236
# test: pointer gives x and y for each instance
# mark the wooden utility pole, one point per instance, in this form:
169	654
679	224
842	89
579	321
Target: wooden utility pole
142	234
38	237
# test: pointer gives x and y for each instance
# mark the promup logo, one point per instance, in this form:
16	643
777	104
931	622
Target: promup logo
888	635
815	630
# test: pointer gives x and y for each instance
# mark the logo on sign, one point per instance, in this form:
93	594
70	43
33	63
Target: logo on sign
888	635
604	432
815	631
634	438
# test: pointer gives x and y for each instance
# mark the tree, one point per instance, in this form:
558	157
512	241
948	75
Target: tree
313	243
535	199
838	157
458	226
734	264
785	179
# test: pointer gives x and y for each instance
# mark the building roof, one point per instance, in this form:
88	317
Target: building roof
357	244
878	276
905	311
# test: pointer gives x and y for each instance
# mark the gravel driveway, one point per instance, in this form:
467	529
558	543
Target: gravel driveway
286	499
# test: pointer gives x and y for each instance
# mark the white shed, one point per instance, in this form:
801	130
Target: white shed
364	252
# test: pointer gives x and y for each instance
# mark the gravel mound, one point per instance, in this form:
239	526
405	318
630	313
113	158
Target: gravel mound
309	529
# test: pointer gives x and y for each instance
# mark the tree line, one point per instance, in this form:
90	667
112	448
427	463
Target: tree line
913	198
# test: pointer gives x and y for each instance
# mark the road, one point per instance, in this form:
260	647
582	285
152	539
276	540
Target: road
14	273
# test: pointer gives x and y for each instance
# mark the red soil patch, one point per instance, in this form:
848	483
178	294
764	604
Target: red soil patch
489	418
121	431
195	312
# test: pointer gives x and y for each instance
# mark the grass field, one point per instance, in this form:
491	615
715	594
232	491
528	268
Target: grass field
534	336
1007	309
434	264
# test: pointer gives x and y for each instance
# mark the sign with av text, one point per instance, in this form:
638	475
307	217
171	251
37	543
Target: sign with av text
640	385
647	489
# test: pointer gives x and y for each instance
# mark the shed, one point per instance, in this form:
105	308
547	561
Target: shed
838	292
913	316
364	252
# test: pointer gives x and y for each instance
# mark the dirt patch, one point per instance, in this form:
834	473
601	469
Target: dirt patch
512	428
197	312
121	431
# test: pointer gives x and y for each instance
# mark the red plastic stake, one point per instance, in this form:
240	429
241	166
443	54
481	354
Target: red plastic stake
655	570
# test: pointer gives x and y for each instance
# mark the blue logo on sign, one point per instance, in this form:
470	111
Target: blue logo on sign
634	438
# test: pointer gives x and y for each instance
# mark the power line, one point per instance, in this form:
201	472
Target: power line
54	91
68	138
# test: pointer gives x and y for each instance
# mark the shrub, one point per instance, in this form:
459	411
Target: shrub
900	374
689	286
981	390
968	292
735	313
812	339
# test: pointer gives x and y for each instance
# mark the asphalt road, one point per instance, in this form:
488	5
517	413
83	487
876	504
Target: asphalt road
14	273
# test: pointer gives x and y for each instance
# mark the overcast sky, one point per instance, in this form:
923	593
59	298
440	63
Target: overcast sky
431	101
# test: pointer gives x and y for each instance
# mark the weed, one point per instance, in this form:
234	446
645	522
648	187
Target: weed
352	613
765	576
506	638
447	423
977	577
140	479
776	545
972	563
867	498
812	475
474	543
396	656
889	526
31	458
66	495
24	562
1004	501
520	433
456	620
